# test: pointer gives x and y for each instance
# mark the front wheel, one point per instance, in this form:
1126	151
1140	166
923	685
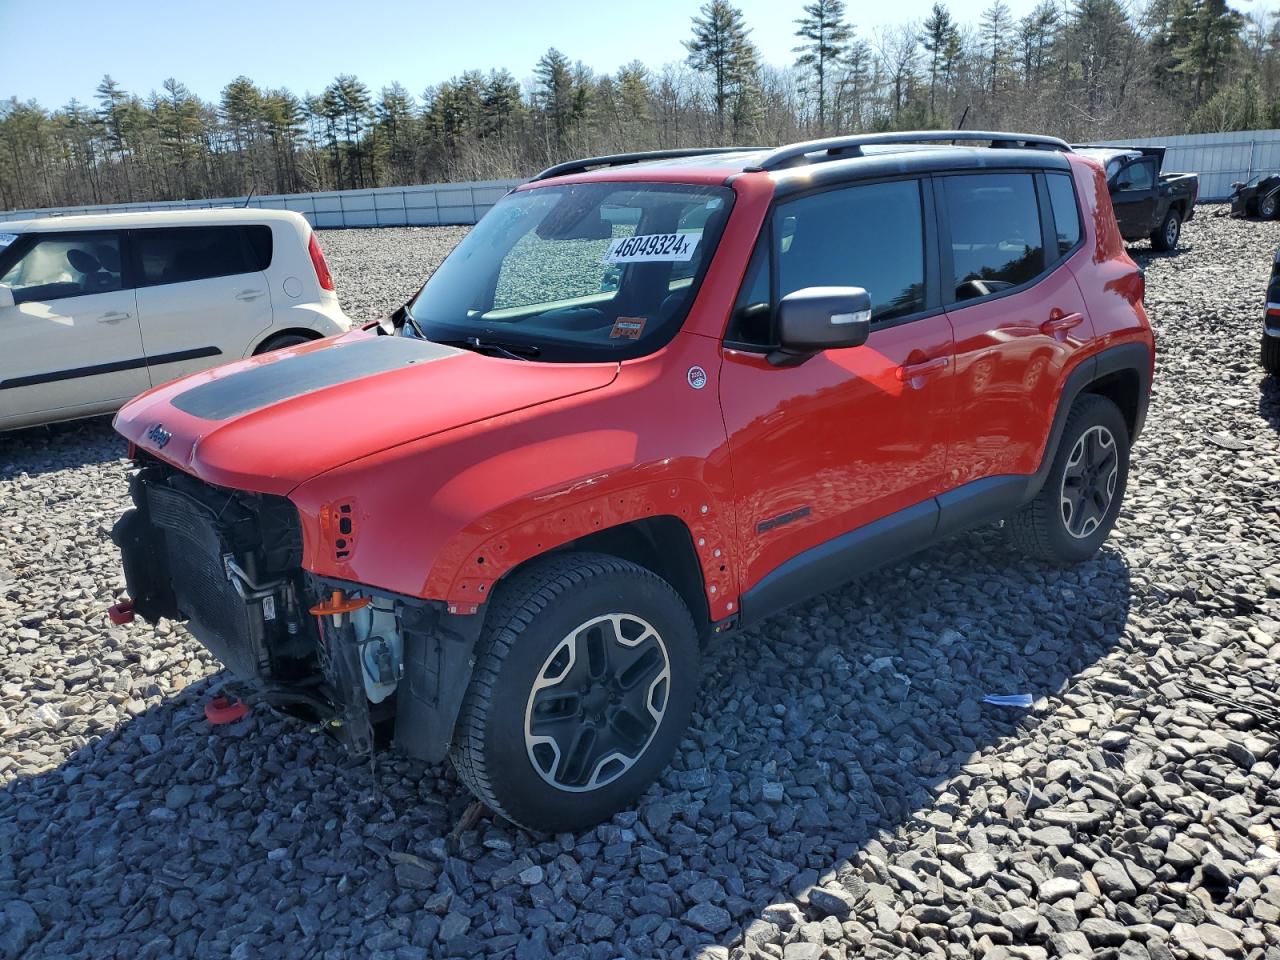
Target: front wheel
1166	237
1080	500
584	682
1269	206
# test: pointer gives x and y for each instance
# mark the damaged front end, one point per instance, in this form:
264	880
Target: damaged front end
373	668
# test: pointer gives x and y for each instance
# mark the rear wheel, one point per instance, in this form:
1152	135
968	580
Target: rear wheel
282	340
1269	206
1166	237
584	681
1080	500
1271	354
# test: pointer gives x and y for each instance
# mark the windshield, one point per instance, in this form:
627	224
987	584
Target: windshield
579	272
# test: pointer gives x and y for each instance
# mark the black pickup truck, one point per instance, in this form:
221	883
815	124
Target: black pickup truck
1148	203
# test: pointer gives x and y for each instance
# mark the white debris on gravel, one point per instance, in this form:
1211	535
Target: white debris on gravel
819	808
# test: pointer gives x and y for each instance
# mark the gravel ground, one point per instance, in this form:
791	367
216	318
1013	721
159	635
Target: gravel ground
843	791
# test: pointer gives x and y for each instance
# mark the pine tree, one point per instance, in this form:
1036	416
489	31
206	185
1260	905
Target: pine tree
720	48
995	27
939	37
827	33
554	96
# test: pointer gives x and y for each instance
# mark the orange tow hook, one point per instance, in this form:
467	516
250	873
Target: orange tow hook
337	604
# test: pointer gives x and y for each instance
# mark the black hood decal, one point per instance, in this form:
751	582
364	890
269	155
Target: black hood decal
288	377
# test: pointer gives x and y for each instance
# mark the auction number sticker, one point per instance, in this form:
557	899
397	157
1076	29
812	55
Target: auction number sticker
6	239
653	248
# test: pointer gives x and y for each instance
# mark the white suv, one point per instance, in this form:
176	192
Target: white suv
96	309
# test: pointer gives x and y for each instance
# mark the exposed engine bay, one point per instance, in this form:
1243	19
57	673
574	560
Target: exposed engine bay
370	667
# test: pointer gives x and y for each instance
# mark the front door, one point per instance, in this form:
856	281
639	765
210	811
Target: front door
70	344
850	436
202	295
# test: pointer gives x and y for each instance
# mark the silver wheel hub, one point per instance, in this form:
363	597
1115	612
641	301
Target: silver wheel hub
1089	482
597	702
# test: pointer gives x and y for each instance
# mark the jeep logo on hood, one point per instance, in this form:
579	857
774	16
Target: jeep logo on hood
159	436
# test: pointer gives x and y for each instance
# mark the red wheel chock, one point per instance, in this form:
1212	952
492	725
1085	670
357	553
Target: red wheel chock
121	612
223	709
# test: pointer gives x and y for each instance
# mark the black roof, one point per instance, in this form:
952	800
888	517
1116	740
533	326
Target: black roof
862	156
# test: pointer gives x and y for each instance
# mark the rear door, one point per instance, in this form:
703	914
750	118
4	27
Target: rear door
1133	194
203	296
71	341
1018	314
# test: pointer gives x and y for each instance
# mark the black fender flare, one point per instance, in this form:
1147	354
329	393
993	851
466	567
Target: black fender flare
1134	357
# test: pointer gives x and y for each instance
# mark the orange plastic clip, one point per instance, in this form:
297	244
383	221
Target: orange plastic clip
338	603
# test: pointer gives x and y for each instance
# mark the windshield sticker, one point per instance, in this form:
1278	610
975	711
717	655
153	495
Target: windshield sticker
6	239
628	328
653	248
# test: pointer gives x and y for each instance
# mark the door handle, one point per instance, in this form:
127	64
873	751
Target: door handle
916	373
114	316
1059	323
249	294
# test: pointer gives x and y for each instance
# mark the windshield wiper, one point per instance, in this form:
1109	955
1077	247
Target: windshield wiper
512	351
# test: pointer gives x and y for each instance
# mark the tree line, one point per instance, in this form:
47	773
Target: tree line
1081	69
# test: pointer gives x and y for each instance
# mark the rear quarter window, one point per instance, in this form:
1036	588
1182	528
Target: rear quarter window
1066	213
185	254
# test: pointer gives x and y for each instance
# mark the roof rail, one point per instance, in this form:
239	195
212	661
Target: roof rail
620	159
851	146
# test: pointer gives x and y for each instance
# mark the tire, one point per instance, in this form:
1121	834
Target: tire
1166	238
1271	355
1063	524
282	340
1269	207
552	734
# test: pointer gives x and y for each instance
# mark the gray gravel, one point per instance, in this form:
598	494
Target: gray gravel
843	792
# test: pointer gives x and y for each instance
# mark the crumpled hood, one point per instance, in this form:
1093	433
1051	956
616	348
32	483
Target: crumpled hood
269	423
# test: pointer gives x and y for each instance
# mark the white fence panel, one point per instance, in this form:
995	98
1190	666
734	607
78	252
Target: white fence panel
1219	158
427	205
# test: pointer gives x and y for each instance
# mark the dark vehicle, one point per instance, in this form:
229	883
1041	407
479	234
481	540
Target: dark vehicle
1271	322
1148	203
1257	197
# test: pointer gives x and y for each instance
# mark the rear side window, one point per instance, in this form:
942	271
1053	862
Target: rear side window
1066	215
996	241
184	254
59	265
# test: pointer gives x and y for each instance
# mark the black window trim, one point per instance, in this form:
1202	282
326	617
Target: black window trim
944	234
22	246
933	305
1046	204
246	248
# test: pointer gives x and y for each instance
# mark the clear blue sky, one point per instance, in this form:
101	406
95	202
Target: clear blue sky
53	50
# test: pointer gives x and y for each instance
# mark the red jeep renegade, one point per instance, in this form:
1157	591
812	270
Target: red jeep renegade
649	398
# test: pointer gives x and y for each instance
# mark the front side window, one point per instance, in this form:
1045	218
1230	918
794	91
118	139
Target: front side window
576	272
63	265
1066	215
1137	177
996	241
183	254
869	236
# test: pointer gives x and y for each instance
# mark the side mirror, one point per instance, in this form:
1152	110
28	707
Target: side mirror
820	318
6	296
